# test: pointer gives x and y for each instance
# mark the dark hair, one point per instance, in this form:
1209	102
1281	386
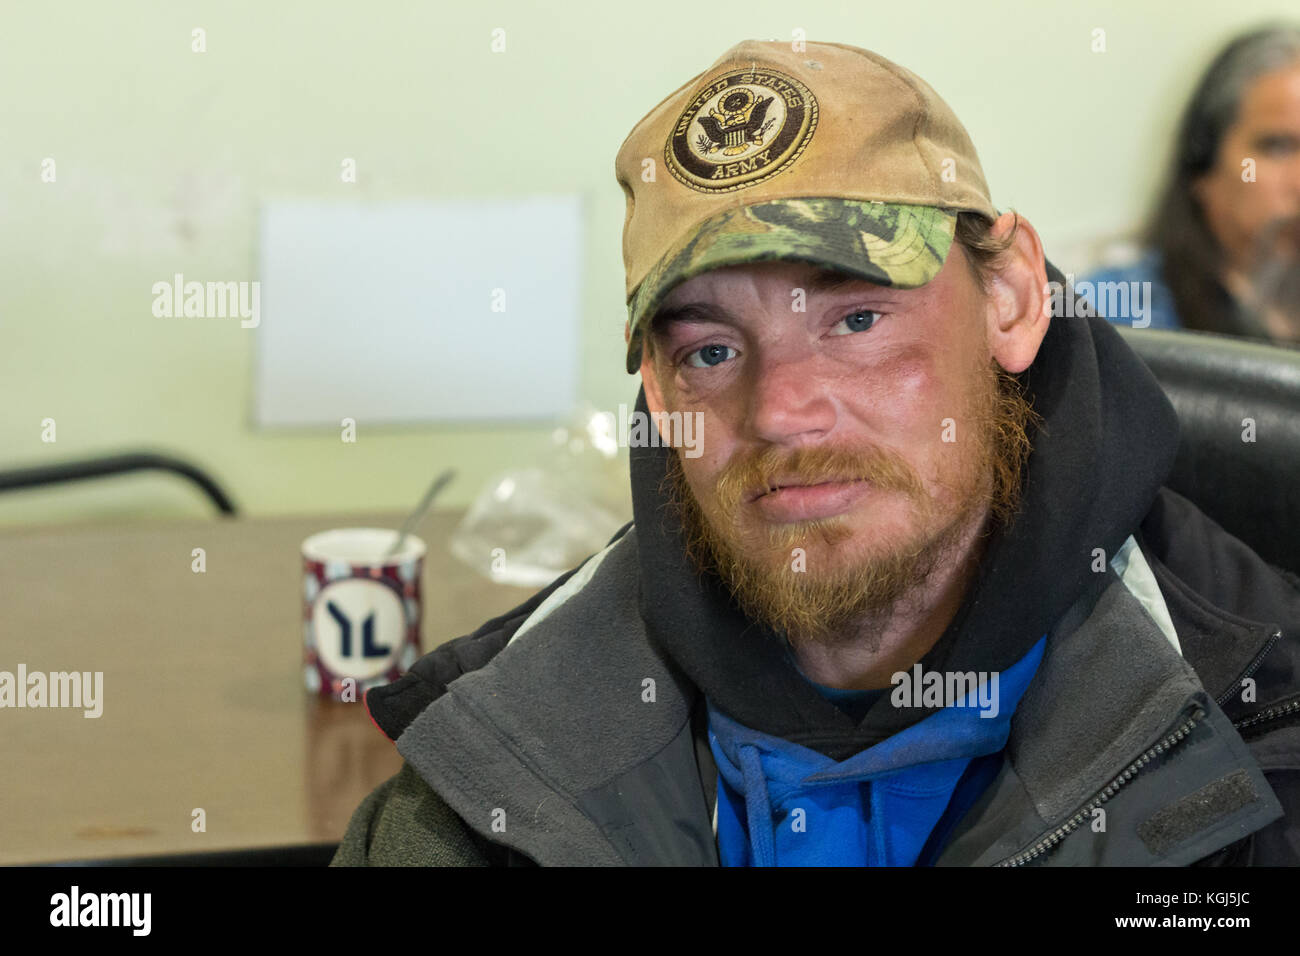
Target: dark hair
1191	257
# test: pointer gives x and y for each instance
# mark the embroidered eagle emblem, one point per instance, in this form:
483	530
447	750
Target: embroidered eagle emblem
736	123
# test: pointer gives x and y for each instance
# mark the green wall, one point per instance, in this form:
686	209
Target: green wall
163	156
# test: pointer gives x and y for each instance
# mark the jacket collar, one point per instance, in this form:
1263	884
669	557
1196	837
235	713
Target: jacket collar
1112	710
1229	606
573	744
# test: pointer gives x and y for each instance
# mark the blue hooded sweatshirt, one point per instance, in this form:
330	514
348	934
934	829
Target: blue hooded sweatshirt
894	804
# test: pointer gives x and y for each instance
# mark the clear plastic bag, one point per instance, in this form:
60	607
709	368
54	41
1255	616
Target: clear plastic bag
531	524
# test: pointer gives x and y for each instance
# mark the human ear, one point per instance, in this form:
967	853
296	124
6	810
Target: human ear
1018	308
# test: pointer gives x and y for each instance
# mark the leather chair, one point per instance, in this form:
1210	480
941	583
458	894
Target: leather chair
1215	383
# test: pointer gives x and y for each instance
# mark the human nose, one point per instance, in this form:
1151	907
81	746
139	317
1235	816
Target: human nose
789	402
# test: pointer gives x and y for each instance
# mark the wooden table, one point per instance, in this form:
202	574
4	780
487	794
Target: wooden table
203	697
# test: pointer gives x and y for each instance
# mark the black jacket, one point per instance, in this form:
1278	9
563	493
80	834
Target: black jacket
547	751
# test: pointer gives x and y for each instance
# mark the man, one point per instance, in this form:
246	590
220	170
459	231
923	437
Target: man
1223	241
917	596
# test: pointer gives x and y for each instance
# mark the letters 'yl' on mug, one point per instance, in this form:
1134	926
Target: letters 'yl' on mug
361	610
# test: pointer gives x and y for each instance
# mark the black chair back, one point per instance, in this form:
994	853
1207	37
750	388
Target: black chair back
1238	405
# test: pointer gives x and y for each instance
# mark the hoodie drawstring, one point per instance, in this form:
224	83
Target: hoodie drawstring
758	808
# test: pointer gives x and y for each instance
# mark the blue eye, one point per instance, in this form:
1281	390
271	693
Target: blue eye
709	356
858	321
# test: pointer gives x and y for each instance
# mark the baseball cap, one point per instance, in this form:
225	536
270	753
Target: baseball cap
826	153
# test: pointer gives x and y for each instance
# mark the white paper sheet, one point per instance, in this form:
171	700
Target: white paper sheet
384	311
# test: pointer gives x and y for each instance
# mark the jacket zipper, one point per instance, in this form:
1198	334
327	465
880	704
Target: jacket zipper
1254	666
1170	741
1049	842
1272	713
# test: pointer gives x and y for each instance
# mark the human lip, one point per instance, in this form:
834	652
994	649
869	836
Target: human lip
793	481
798	501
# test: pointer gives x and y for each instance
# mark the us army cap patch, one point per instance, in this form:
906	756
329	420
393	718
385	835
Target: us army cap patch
831	155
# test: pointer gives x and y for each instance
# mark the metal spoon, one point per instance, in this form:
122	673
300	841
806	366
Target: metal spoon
415	517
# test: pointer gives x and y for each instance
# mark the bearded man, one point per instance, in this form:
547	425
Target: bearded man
918	597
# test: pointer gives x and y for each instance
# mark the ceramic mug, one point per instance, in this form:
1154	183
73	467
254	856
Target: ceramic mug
361	610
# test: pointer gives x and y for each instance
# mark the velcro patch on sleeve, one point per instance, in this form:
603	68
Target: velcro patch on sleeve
1169	826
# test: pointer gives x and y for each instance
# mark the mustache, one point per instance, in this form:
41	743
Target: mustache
1281	227
1276	272
750	476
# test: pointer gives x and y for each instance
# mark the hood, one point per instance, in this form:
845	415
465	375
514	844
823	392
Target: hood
1106	445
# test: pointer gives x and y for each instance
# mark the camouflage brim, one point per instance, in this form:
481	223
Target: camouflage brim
900	246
